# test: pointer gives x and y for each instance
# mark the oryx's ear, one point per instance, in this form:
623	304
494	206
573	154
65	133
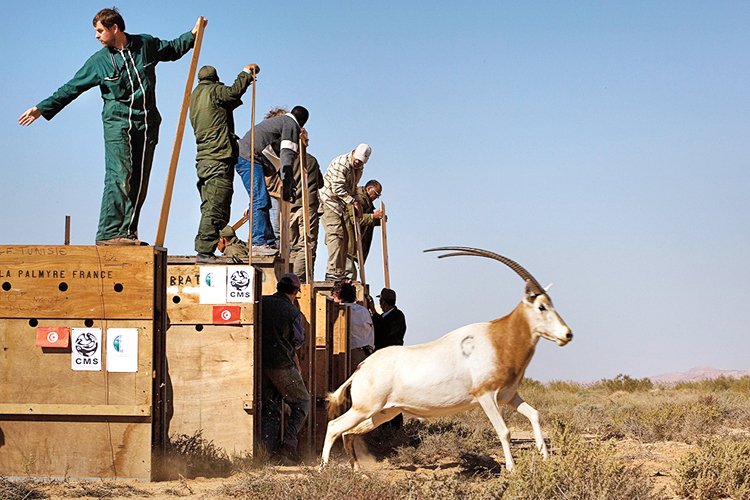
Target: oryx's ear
531	292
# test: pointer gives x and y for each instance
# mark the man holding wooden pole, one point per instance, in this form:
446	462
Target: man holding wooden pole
124	70
275	149
212	105
296	220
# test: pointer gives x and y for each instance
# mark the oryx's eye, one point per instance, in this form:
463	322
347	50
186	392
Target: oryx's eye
542	308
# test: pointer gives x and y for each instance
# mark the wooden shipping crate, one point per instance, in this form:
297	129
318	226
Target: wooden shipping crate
213	381
59	422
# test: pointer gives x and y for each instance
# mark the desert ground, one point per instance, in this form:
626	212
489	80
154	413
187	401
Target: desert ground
617	438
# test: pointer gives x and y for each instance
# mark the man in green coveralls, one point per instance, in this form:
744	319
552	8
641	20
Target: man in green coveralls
124	70
211	113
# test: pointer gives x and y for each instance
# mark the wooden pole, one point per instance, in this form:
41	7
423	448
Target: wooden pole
252	173
67	229
307	237
360	252
240	222
386	271
161	232
284	233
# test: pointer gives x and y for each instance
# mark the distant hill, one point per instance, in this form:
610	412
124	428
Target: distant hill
698	373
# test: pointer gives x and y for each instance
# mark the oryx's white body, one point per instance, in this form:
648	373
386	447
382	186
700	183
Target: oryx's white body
479	364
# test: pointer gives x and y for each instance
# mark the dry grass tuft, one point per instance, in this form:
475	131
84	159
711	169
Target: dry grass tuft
193	456
19	490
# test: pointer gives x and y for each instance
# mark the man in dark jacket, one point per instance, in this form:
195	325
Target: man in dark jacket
211	113
125	72
390	328
282	335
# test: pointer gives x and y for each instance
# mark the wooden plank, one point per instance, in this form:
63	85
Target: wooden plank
183	298
78	410
211	383
307	362
31	375
341	358
80	424
71	281
111	448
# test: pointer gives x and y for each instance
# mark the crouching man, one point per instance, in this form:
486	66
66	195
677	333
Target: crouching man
282	380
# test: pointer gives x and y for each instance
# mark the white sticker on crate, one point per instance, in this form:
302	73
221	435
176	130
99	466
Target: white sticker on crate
86	349
122	350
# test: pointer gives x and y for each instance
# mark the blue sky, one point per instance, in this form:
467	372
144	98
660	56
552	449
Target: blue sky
603	145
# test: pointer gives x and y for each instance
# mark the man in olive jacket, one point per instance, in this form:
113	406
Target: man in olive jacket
211	113
125	72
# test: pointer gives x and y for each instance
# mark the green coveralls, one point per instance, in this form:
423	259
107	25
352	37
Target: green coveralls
211	107
127	80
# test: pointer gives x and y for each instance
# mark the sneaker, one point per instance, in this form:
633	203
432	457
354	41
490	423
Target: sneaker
333	277
116	242
207	258
267	250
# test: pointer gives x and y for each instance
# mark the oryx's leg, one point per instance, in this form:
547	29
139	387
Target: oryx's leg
489	405
363	428
529	412
337	427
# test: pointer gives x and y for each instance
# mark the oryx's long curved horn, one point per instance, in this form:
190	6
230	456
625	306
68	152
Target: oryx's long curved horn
536	288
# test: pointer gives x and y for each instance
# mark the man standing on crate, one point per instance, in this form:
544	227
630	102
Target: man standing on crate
212	106
124	70
282	336
276	148
337	197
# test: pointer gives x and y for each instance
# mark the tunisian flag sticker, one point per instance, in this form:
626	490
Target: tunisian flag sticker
226	315
52	336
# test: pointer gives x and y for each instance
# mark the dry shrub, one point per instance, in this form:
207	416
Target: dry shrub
717	469
624	383
669	421
741	385
19	490
101	489
577	469
194	456
335	481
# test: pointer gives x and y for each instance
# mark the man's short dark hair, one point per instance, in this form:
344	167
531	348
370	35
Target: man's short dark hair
301	114
347	293
110	17
286	286
373	183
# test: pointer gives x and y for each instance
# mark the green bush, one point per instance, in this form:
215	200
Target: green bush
624	383
717	469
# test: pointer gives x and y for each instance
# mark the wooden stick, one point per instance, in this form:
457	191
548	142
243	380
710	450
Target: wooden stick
284	252
252	173
161	231
386	271
307	237
360	251
67	229
240	222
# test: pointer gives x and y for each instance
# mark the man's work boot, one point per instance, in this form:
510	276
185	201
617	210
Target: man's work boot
207	258
116	242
